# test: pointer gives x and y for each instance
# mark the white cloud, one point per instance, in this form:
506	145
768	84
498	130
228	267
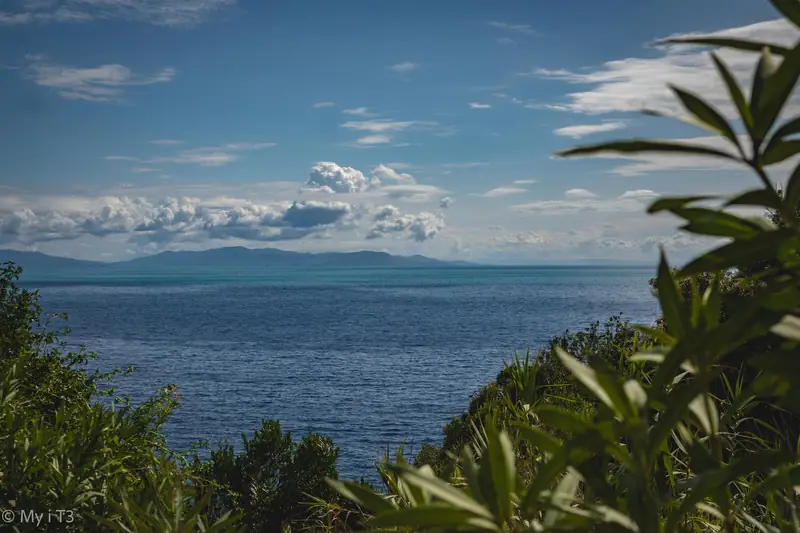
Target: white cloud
405	67
516	28
446	202
332	178
370	140
636	83
577	194
209	156
320	105
503	191
576	132
177	220
158	12
385	173
105	83
144	169
420	227
412	192
358	111
166	142
379	125
525	182
477	105
583	201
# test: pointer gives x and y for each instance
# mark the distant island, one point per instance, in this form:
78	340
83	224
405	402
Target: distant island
39	264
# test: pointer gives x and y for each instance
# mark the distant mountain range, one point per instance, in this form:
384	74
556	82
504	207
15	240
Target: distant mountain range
36	263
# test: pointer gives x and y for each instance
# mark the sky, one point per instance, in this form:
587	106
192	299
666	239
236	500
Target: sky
130	127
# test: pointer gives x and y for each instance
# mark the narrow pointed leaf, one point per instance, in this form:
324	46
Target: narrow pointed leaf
638	146
429	516
756	197
735	92
587	376
724	42
779	152
361	495
670	299
788	129
669	204
764	70
443	491
789	9
792	194
705	113
540	439
788	328
741	253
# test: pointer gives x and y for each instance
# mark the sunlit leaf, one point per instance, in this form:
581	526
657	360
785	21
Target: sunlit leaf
706	114
706	412
587	376
788	328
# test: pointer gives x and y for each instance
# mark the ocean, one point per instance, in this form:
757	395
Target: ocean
371	357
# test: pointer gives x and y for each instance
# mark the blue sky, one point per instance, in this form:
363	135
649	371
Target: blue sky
135	126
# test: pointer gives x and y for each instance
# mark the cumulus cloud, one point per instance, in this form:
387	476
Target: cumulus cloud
576	132
158	12
446	202
176	220
419	227
644	194
636	83
385	173
330	177
105	83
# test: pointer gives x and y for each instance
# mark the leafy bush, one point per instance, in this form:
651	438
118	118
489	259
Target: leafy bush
666	448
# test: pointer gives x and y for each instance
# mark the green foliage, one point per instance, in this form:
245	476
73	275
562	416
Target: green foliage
674	440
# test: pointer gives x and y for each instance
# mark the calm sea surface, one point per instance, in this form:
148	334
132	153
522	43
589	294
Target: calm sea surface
371	357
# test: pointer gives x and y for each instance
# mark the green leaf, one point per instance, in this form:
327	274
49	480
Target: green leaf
443	491
706	114
724	42
780	151
361	495
562	419
564	494
587	376
740	253
792	193
788	328
676	202
756	197
706	412
764	70
504	472
540	439
790	9
735	92
705	221
787	129
637	146
776	91
431	516
672	305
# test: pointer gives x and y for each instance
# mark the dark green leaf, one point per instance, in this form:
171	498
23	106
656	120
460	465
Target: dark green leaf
787	129
740	253
789	9
780	151
540	439
668	204
501	459
764	70
670	300
792	194
587	376
637	146
756	197
724	42
718	223
735	92
431	516
706	114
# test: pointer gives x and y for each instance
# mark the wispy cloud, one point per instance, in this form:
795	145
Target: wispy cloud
159	12
358	111
105	83
503	191
636	83
582	130
476	105
371	140
581	200
405	67
505	40
320	105
525	182
207	156
166	142
380	125
516	28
